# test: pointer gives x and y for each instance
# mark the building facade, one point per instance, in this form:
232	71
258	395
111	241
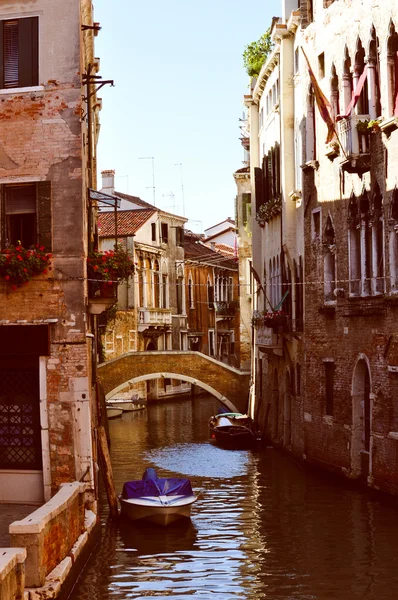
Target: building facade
47	165
212	299
338	237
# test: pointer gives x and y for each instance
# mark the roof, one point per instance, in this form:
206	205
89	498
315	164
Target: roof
227	220
224	249
144	204
216	235
198	251
128	221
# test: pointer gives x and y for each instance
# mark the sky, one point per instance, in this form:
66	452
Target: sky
179	83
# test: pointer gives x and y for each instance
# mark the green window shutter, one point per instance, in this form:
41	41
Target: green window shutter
28	52
44	215
1	55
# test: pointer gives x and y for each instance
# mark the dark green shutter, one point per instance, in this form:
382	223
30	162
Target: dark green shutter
28	52
1	55
259	188
44	217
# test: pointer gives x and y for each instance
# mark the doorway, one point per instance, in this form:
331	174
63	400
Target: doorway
361	420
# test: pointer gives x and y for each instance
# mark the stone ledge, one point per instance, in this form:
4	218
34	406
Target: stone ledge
36	521
9	558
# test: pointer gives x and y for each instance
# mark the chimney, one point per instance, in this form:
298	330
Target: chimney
108	182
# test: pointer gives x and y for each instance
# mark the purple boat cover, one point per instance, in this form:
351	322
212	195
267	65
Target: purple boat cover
159	487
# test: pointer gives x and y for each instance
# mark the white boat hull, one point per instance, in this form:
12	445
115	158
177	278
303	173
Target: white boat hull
162	510
124	405
113	412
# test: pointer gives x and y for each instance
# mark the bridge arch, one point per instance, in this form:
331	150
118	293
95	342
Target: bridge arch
229	385
186	378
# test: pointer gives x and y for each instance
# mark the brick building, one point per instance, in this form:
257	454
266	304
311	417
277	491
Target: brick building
48	137
151	311
212	300
338	399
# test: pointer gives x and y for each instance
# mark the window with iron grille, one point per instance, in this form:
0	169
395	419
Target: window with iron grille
19	53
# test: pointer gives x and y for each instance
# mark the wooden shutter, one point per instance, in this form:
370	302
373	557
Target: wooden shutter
28	52
265	178
259	187
44	215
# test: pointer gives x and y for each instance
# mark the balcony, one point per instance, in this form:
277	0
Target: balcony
267	339
101	296
155	317
226	310
355	144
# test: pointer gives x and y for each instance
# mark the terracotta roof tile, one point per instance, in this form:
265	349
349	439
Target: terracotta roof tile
128	221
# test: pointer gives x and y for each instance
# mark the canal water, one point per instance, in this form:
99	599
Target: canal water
263	526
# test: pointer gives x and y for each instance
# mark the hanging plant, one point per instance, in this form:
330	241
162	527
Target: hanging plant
112	266
268	210
18	264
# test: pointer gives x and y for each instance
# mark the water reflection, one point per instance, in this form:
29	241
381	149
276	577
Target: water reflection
262	528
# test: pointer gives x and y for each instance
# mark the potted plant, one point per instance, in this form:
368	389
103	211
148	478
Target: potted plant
105	270
18	264
363	126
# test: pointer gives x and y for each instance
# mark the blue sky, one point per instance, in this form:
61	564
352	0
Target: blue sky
179	86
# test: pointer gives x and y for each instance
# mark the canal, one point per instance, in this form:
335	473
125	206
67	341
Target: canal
263	527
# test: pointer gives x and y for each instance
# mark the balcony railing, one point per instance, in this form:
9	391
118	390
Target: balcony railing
154	316
267	338
355	144
226	309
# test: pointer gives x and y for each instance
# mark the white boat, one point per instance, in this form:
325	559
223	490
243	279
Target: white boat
126	404
113	412
160	501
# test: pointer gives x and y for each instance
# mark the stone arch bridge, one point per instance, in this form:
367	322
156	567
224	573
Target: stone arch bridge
226	383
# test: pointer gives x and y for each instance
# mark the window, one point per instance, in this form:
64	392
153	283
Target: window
321	65
210	294
153	231
164	291
211	343
180	236
164	230
329	386
246	208
392	70
329	261
180	287
19	53
190	293
296	60
27	210
316	224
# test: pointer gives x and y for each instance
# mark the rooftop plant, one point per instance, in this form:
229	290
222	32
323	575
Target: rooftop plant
256	53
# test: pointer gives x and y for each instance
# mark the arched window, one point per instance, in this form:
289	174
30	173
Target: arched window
191	300
362	107
394	241
164	287
392	70
310	129
156	284
354	245
140	271
180	290
210	293
334	93
374	76
377	232
347	80
366	244
329	261
147	283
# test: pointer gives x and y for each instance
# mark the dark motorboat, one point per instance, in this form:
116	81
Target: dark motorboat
160	501
232	430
